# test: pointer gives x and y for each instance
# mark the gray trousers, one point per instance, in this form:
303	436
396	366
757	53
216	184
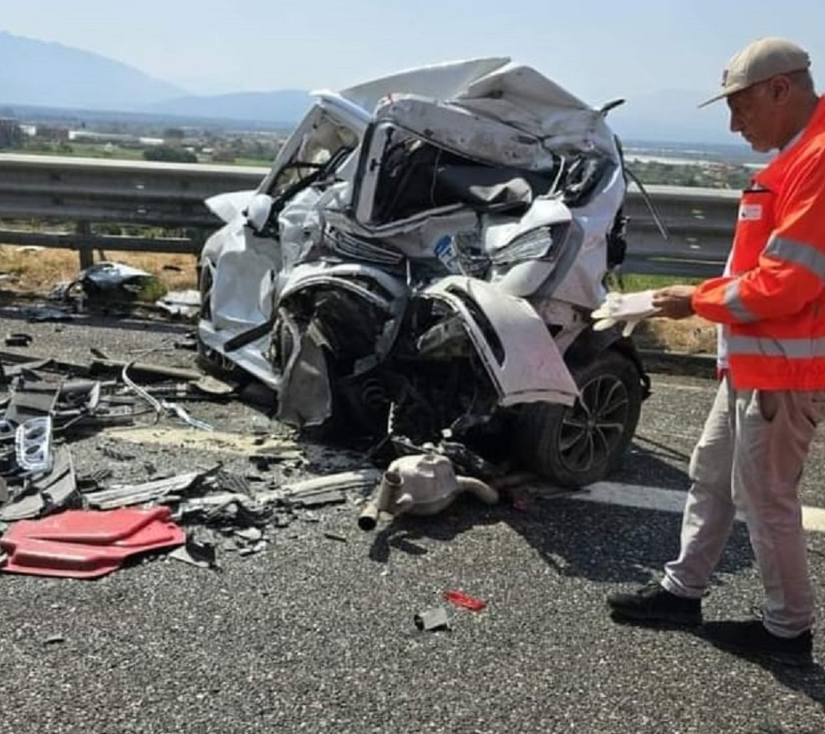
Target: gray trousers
750	458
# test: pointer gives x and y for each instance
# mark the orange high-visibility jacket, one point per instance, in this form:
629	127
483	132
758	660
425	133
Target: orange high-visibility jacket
774	298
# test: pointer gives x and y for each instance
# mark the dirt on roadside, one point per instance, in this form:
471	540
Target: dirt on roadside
37	270
693	335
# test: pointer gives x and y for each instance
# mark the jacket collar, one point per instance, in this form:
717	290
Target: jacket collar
774	171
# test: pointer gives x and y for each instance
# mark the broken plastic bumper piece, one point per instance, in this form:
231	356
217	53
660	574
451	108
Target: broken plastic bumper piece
87	544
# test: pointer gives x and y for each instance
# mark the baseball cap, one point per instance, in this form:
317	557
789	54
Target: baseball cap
758	61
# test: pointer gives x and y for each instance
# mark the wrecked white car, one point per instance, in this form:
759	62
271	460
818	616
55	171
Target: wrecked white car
421	263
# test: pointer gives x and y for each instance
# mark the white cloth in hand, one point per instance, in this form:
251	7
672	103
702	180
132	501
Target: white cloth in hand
627	308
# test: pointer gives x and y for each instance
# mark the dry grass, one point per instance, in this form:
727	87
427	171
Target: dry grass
693	335
38	270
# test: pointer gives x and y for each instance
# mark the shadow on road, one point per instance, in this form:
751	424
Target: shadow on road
602	543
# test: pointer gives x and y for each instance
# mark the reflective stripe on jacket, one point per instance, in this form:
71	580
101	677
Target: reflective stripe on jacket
774	298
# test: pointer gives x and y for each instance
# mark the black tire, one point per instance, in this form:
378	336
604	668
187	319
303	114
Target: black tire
580	444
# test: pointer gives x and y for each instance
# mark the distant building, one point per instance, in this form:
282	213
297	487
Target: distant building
51	133
11	136
87	136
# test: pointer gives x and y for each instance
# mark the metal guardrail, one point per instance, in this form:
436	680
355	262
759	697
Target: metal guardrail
699	223
81	193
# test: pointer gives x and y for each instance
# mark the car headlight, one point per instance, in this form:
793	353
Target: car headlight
541	243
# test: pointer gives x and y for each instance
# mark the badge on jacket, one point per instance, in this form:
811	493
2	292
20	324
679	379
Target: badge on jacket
750	212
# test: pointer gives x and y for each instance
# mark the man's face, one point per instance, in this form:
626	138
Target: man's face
755	115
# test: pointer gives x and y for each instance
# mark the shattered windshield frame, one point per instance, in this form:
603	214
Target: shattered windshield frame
319	146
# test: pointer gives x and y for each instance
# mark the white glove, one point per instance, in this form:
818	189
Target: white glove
630	308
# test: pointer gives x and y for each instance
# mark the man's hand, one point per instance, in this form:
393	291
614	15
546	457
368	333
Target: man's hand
674	302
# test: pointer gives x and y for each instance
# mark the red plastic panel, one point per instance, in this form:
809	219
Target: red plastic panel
90	526
87	544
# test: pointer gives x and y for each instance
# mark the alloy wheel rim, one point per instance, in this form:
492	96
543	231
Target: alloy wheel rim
594	425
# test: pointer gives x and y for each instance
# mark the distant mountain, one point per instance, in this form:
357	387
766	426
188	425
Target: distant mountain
664	116
38	73
283	106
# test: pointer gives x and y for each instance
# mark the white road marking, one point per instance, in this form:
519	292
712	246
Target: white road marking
667	500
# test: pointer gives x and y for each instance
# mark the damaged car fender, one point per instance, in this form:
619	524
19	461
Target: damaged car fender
520	356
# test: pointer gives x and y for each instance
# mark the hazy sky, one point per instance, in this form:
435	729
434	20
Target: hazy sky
600	49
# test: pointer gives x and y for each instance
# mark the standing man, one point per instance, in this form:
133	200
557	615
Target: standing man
770	308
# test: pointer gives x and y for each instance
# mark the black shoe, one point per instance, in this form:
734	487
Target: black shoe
751	639
655	604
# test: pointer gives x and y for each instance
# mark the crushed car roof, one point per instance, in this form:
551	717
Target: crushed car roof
496	88
463	80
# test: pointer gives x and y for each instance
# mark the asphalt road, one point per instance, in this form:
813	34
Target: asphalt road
316	633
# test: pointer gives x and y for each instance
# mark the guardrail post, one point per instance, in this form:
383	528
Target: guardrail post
83	230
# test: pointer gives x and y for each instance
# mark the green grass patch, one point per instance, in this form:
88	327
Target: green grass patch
630	283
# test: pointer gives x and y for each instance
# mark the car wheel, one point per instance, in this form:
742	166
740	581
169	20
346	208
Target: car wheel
580	444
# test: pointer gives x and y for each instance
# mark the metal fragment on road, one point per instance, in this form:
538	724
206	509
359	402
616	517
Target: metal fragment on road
329	489
431	620
121	495
24	508
335	536
251	534
211	385
196	553
18	339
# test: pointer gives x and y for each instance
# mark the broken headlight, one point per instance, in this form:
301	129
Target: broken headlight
541	243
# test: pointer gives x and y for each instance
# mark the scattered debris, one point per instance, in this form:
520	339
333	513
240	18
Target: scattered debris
162	407
101	367
328	490
252	534
185	304
63	524
18	339
432	620
123	495
332	535
189	342
110	282
31	495
210	385
465	601
33	445
196	553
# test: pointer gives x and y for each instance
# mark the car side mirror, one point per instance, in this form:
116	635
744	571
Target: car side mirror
258	211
